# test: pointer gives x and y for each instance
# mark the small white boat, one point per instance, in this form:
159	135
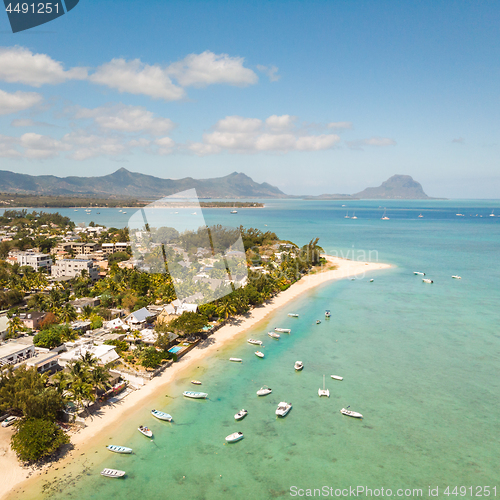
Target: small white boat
337	377
195	395
323	392
274	335
350	413
492	213
282	330
346	216
420	216
255	342
196	382
161	415
236	360
419	273
264	391
354	215
384	217
327	313
112	473
233	212
318	321
119	449
235	436
283	408
241	414
293	315
457	277
146	431
298	365
371	281
427	280
259	354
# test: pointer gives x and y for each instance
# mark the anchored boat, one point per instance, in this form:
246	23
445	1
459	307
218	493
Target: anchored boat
113	473
264	391
282	330
298	365
241	414
119	449
283	409
161	416
146	431
235	436
195	395
350	413
274	335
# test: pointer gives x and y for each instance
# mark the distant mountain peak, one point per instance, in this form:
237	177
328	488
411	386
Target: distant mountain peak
401	187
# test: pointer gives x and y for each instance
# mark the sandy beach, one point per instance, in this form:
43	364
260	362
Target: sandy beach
13	474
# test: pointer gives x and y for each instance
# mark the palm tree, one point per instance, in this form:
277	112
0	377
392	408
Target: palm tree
99	378
14	325
67	314
87	311
226	308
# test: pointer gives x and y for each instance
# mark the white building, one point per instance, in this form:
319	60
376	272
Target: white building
36	260
104	353
74	268
14	352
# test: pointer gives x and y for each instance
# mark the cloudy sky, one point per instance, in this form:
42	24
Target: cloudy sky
312	96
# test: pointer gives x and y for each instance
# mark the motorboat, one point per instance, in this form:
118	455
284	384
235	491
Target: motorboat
119	449
298	365
259	354
419	273
350	413
255	342
236	360
282	330
112	473
323	392
196	382
293	315
337	377
372	280
274	335
241	414
327	313
426	280
420	216
264	391
195	395
234	437
318	321
233	212
161	415
146	431
283	409
457	277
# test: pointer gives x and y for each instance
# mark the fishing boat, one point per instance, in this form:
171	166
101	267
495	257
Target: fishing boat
298	365
323	392
274	335
419	273
426	280
350	413
241	414
236	360
318	321
119	449
161	415
259	354
234	437
282	330
146	431
264	391
337	377
283	409
255	342
195	395
112	473
196	382
457	277
293	315
327	313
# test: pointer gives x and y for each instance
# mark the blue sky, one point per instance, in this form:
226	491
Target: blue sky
314	97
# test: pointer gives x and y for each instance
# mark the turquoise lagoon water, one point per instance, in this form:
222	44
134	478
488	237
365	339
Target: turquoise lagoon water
421	362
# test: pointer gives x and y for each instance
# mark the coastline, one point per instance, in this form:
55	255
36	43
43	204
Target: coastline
15	476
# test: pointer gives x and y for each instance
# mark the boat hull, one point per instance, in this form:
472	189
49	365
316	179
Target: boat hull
234	438
195	395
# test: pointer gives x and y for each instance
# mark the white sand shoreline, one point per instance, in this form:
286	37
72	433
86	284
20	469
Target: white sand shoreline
13	474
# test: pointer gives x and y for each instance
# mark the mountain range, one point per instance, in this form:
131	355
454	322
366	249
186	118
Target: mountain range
126	184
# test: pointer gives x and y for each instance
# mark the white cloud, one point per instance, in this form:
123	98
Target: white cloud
85	145
18	101
458	140
372	141
28	122
38	146
251	135
207	68
122	118
270	71
166	145
20	65
135	77
340	125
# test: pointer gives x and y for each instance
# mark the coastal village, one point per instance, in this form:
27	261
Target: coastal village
82	323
